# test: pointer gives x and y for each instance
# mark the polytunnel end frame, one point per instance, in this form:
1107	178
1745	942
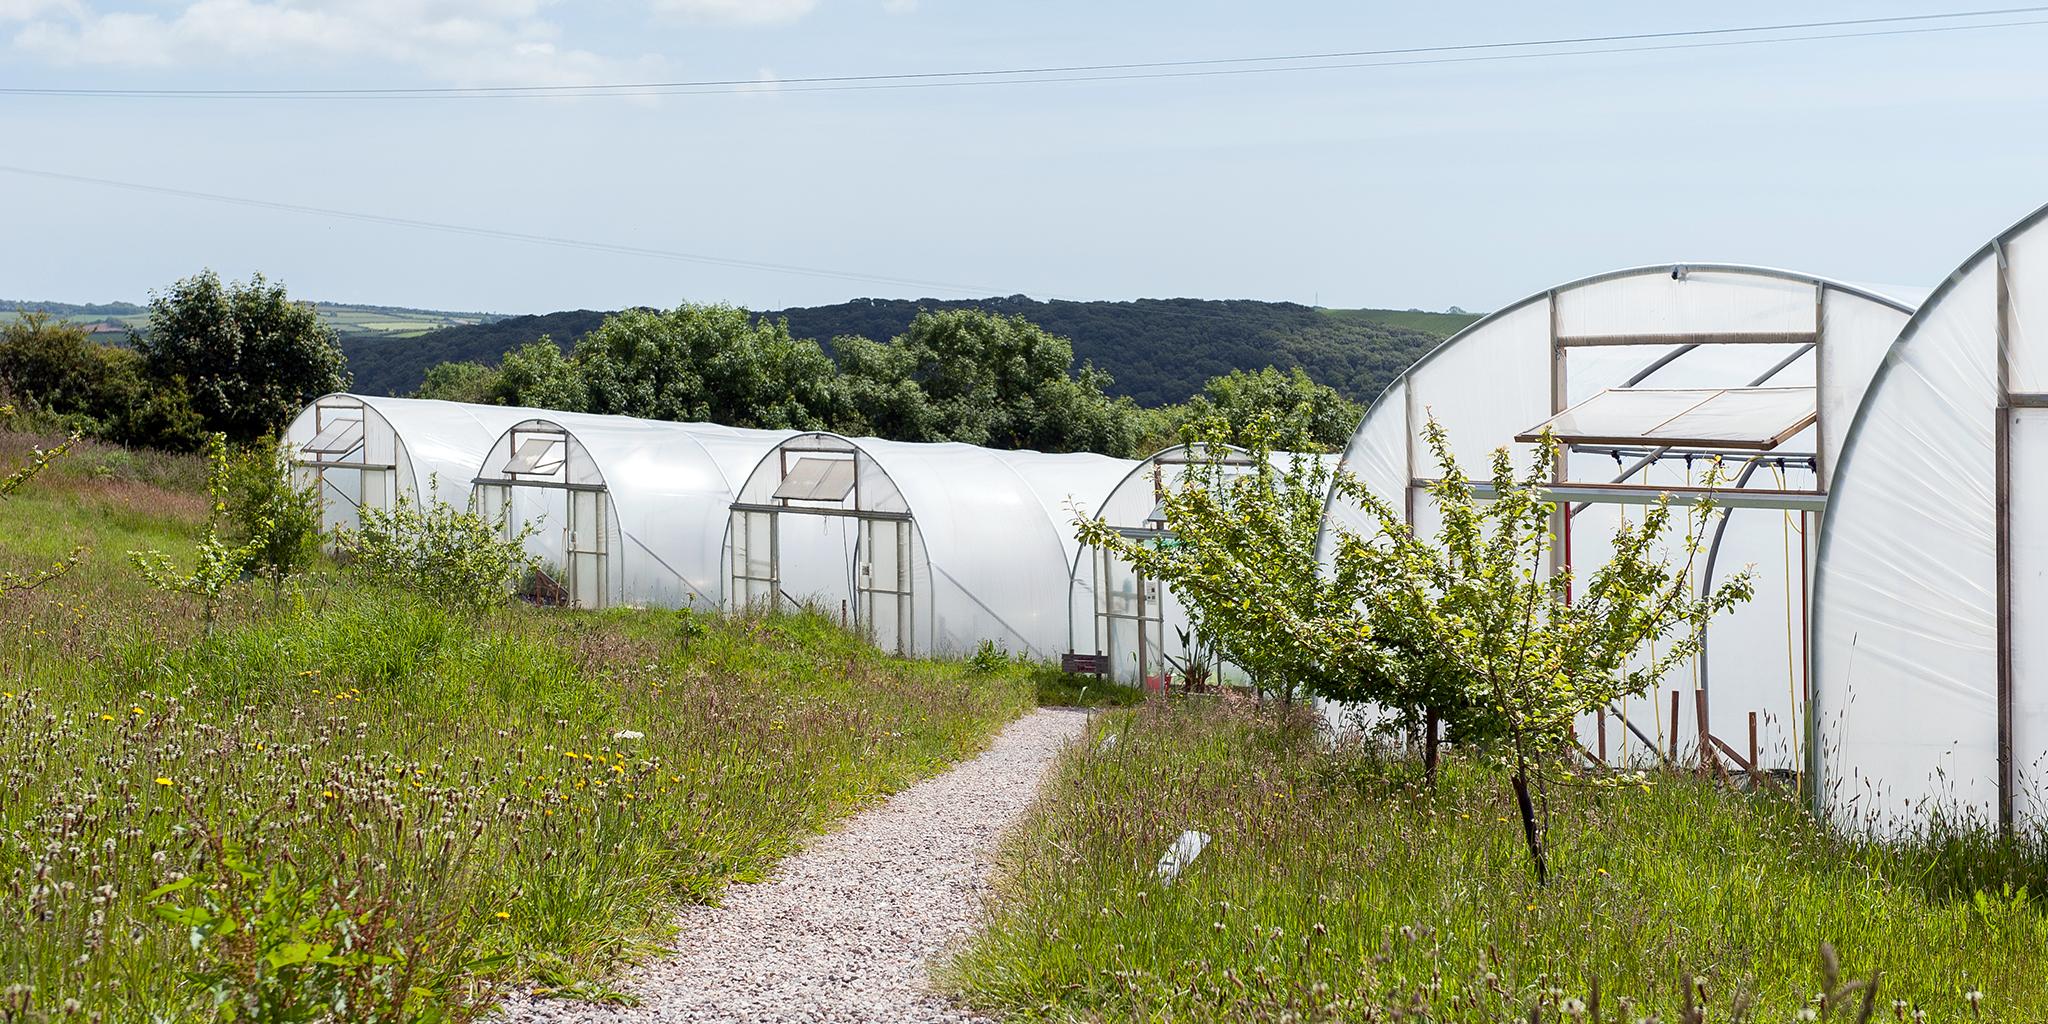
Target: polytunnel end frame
826	443
1994	250
1561	343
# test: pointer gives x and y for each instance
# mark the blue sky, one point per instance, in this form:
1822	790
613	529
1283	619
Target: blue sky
1875	159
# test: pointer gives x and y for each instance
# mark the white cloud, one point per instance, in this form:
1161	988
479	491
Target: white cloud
468	42
23	10
738	12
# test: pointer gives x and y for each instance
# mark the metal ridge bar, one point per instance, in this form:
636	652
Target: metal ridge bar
1724	338
800	510
1629	494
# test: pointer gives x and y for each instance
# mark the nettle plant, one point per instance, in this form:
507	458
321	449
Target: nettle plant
1469	632
449	554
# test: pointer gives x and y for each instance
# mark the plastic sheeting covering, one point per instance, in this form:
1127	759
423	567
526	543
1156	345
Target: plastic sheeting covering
1137	623
382	449
935	548
626	511
1906	602
1494	381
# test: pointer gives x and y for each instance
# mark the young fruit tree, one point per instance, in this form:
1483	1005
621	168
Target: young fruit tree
1471	629
218	563
1537	648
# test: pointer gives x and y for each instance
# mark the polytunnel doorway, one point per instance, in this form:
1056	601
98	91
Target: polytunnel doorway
538	475
807	534
1140	627
346	458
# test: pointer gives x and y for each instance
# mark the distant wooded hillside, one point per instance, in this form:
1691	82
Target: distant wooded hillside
1159	350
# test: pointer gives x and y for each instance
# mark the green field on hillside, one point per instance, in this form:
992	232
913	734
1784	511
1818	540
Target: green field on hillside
1439	325
350	321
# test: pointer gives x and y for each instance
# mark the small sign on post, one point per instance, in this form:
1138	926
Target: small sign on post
1084	664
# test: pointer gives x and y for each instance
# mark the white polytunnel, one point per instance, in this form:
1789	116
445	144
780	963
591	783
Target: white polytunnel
623	511
926	548
1930	656
359	450
1139	627
1645	376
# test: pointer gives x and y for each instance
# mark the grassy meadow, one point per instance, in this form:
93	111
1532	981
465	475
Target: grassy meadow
418	805
1337	887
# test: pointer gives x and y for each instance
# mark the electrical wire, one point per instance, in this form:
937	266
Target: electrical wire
1127	71
512	236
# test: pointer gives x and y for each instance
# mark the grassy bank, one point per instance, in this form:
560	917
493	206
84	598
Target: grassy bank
397	800
1337	888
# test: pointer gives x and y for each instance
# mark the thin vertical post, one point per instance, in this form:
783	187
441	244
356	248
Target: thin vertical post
1699	705
1674	727
1560	522
1821	466
1601	719
1753	764
2001	511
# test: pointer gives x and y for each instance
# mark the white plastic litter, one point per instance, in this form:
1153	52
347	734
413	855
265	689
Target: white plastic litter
1181	854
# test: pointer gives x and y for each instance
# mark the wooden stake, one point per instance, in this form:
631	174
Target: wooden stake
1674	728
1699	706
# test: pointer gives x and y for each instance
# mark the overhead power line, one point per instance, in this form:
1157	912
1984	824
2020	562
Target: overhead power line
1591	45
510	236
968	290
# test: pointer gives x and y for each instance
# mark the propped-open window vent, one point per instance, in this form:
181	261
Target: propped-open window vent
537	456
817	479
337	437
1749	419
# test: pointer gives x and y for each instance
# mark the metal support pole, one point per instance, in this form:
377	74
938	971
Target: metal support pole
2001	511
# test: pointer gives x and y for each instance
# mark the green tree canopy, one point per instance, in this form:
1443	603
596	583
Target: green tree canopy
249	355
1305	416
707	363
465	381
991	380
58	370
539	376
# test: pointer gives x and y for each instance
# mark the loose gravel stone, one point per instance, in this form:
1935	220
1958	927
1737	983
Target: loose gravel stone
846	929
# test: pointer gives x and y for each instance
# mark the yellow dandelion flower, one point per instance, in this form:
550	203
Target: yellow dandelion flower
328	793
502	916
138	711
106	718
163	780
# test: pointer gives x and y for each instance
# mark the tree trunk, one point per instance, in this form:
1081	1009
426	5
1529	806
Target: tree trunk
1530	832
1429	748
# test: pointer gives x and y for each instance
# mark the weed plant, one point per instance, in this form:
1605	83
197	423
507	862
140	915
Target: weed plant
1337	887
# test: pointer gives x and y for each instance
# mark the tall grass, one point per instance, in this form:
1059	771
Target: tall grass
1336	887
521	797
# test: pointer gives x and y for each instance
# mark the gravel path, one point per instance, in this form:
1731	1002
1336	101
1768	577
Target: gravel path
845	929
